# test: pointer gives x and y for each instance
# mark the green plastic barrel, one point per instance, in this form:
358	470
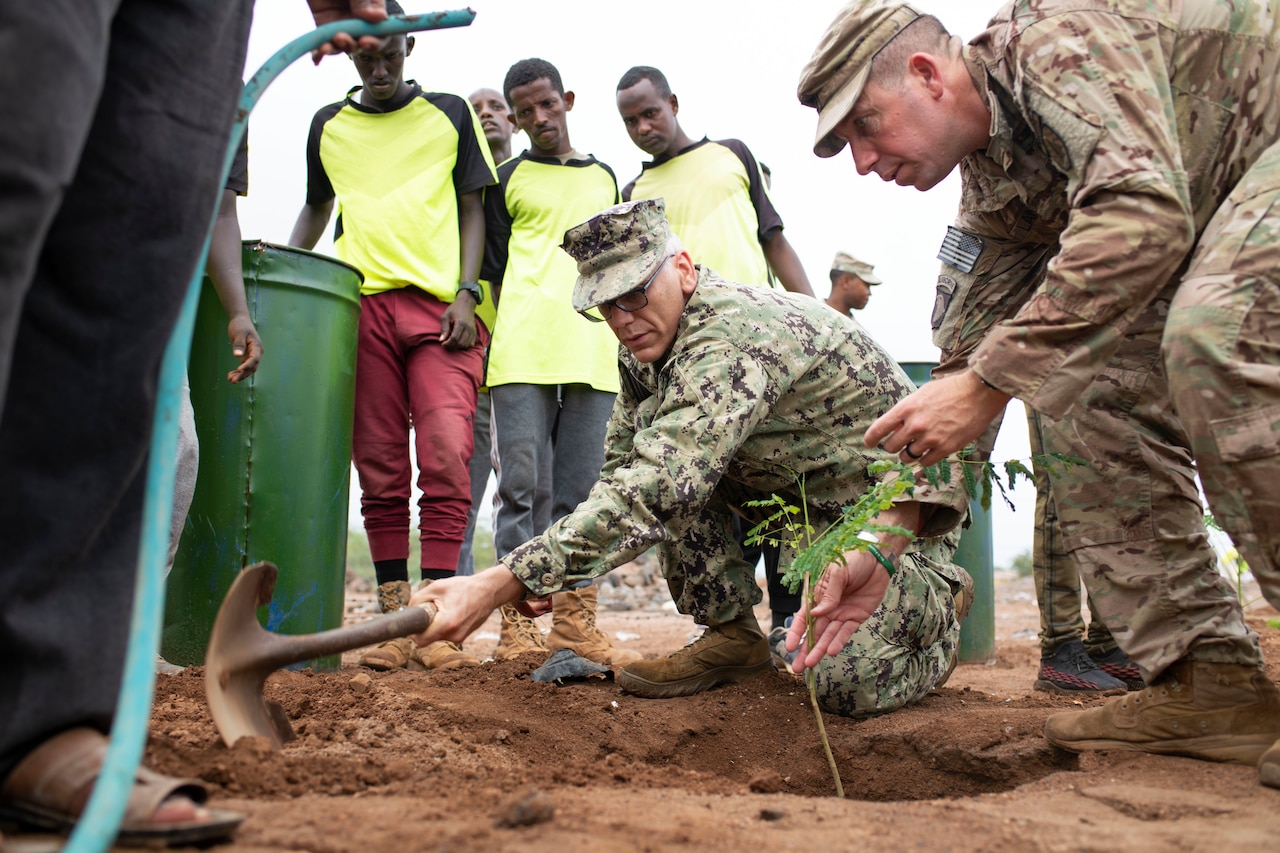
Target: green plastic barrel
275	451
974	554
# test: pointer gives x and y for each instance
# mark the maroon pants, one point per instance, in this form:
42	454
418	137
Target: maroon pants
404	376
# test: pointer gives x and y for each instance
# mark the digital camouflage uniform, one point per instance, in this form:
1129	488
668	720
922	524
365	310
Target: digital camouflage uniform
759	391
1120	130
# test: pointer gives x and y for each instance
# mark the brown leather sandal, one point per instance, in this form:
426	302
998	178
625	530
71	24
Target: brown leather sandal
50	787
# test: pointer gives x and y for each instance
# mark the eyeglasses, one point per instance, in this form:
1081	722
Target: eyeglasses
632	300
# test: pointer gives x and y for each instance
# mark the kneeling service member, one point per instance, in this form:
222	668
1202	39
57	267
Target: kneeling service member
732	393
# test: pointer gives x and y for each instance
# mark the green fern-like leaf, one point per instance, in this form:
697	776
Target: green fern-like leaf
1004	496
1013	468
988	474
1055	464
931	474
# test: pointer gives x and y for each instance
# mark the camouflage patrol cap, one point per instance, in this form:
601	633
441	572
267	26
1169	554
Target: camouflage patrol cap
845	262
835	75
617	250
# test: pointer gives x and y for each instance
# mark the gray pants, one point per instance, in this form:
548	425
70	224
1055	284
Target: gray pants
482	463
529	422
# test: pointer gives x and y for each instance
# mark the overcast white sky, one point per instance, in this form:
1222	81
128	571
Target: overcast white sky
734	67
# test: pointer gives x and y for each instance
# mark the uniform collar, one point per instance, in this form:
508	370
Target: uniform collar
353	99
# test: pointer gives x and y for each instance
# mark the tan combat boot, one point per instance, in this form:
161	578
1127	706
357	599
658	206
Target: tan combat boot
1212	711
441	654
734	651
1269	766
518	635
573	626
392	654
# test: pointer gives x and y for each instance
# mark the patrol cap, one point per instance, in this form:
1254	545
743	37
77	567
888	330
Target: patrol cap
835	75
617	250
846	262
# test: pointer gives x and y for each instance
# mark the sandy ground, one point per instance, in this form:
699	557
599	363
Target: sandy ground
486	759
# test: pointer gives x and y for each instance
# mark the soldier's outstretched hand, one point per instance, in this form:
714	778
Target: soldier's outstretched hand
846	596
940	418
463	603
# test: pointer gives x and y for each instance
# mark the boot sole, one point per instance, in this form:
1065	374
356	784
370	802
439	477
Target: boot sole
632	683
1236	749
447	667
1269	774
506	655
1051	687
382	665
615	658
964	598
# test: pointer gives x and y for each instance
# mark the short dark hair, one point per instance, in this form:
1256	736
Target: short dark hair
835	276
646	72
527	71
393	8
925	34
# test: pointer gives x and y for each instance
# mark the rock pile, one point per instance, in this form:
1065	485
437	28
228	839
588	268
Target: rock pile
637	585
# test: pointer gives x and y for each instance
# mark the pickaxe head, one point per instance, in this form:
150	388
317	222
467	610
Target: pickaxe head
239	660
242	654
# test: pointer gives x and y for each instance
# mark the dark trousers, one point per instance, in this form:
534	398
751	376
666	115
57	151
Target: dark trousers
119	114
782	601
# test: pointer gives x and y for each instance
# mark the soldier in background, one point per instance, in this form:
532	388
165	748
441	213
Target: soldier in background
851	283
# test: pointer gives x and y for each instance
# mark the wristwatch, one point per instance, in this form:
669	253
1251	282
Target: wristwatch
472	287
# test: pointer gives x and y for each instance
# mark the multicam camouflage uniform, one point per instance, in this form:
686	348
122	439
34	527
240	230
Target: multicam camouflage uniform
1121	128
1222	343
760	390
1057	578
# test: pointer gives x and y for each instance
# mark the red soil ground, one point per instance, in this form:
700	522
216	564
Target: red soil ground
486	759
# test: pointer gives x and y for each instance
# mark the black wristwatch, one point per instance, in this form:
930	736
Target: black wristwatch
472	287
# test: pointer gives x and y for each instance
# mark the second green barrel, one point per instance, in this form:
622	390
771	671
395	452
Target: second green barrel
974	554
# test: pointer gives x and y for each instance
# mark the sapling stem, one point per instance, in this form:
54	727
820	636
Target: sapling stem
811	680
817	551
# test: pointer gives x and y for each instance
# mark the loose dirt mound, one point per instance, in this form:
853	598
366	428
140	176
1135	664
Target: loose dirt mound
486	759
401	732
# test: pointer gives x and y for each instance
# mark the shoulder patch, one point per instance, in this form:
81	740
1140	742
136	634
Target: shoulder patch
942	301
1055	147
